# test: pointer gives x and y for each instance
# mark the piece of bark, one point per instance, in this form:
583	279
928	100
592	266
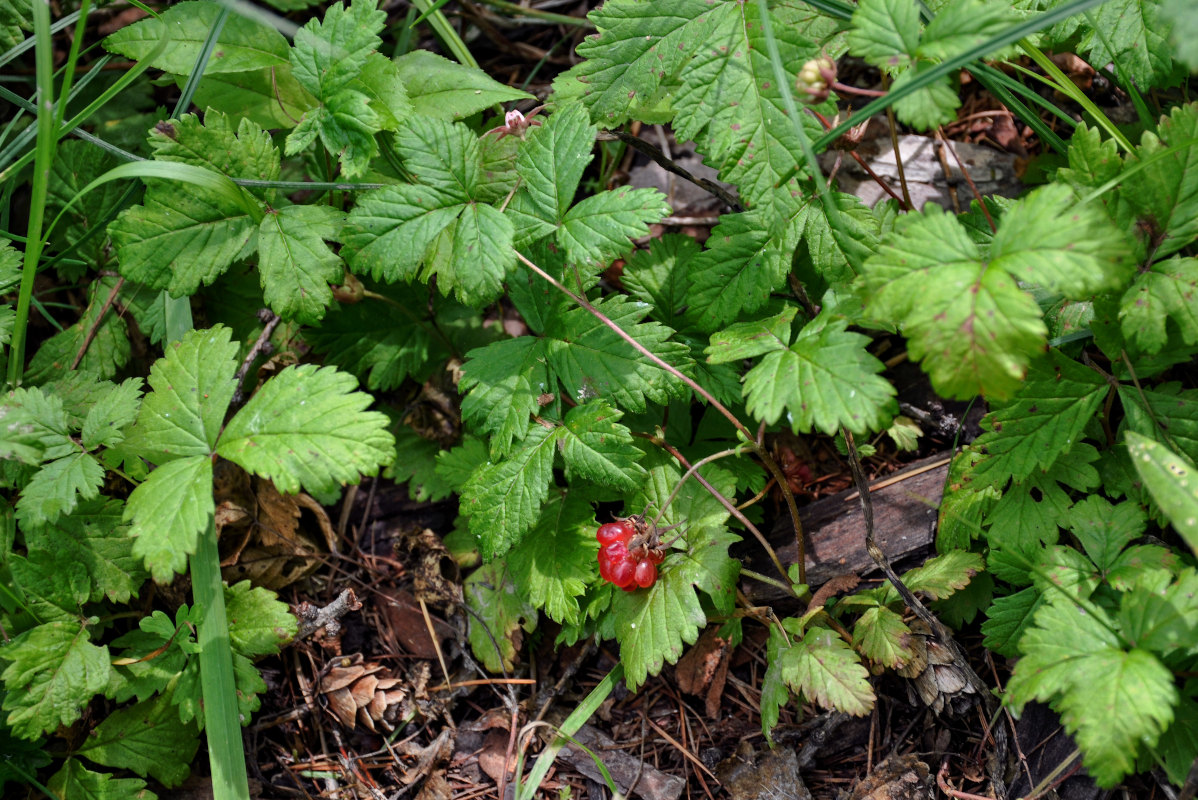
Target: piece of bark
653	784
905	509
900	777
768	775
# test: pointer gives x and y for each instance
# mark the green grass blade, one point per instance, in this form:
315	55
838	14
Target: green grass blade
1010	36
445	32
988	77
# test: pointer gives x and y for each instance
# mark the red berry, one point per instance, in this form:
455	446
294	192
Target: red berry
622	573
645	574
615	532
656	556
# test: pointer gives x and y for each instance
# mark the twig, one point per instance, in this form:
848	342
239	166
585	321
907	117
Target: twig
95	328
655	153
261	344
942	782
312	619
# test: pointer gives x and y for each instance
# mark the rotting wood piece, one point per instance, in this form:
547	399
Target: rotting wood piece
905	509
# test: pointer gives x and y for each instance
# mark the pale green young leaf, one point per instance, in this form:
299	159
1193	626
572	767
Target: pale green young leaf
504	499
307	428
106	420
885	33
76	782
1009	618
591	360
346	125
1166	413
190	390
597	448
961	25
654	624
379	81
58	671
824	380
168	510
1163	187
551	161
601	227
638	47
259	623
295	263
1161	295
1041	424
502	383
825	670
1104	529
146	738
494	634
57	488
1057	651
731	106
556	562
1047	240
881	636
1163	620
659	276
751	339
95	538
934	104
329	53
742	265
448	90
380	342
1171	480
244	43
977	329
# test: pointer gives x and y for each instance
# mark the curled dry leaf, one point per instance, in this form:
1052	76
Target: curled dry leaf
361	692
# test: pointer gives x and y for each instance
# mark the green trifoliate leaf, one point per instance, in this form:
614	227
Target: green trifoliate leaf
1104	529
659	276
445	89
178	240
154	656
932	105
169	510
885	33
741	266
106	420
76	164
591	360
295	263
943	575
556	562
1133	35
106	336
1167	414
1009	618
882	636
1031	510
307	428
57	488
441	154
501	612
1162	619
1041	424
57	670
601	228
390	230
503	382
418	466
503	500
457	465
346	125
1075	660
597	448
1161	295
1162	186
1172	482
977	329
329	53
76	782
270	97
1183	27
962	25
259	623
379	81
825	670
53	586
244	43
824	380
94	538
550	163
751	339
190	390
146	738
375	340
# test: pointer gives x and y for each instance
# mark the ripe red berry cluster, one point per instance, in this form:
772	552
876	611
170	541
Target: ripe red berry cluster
625	555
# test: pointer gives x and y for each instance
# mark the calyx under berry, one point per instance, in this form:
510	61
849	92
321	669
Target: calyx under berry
629	551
